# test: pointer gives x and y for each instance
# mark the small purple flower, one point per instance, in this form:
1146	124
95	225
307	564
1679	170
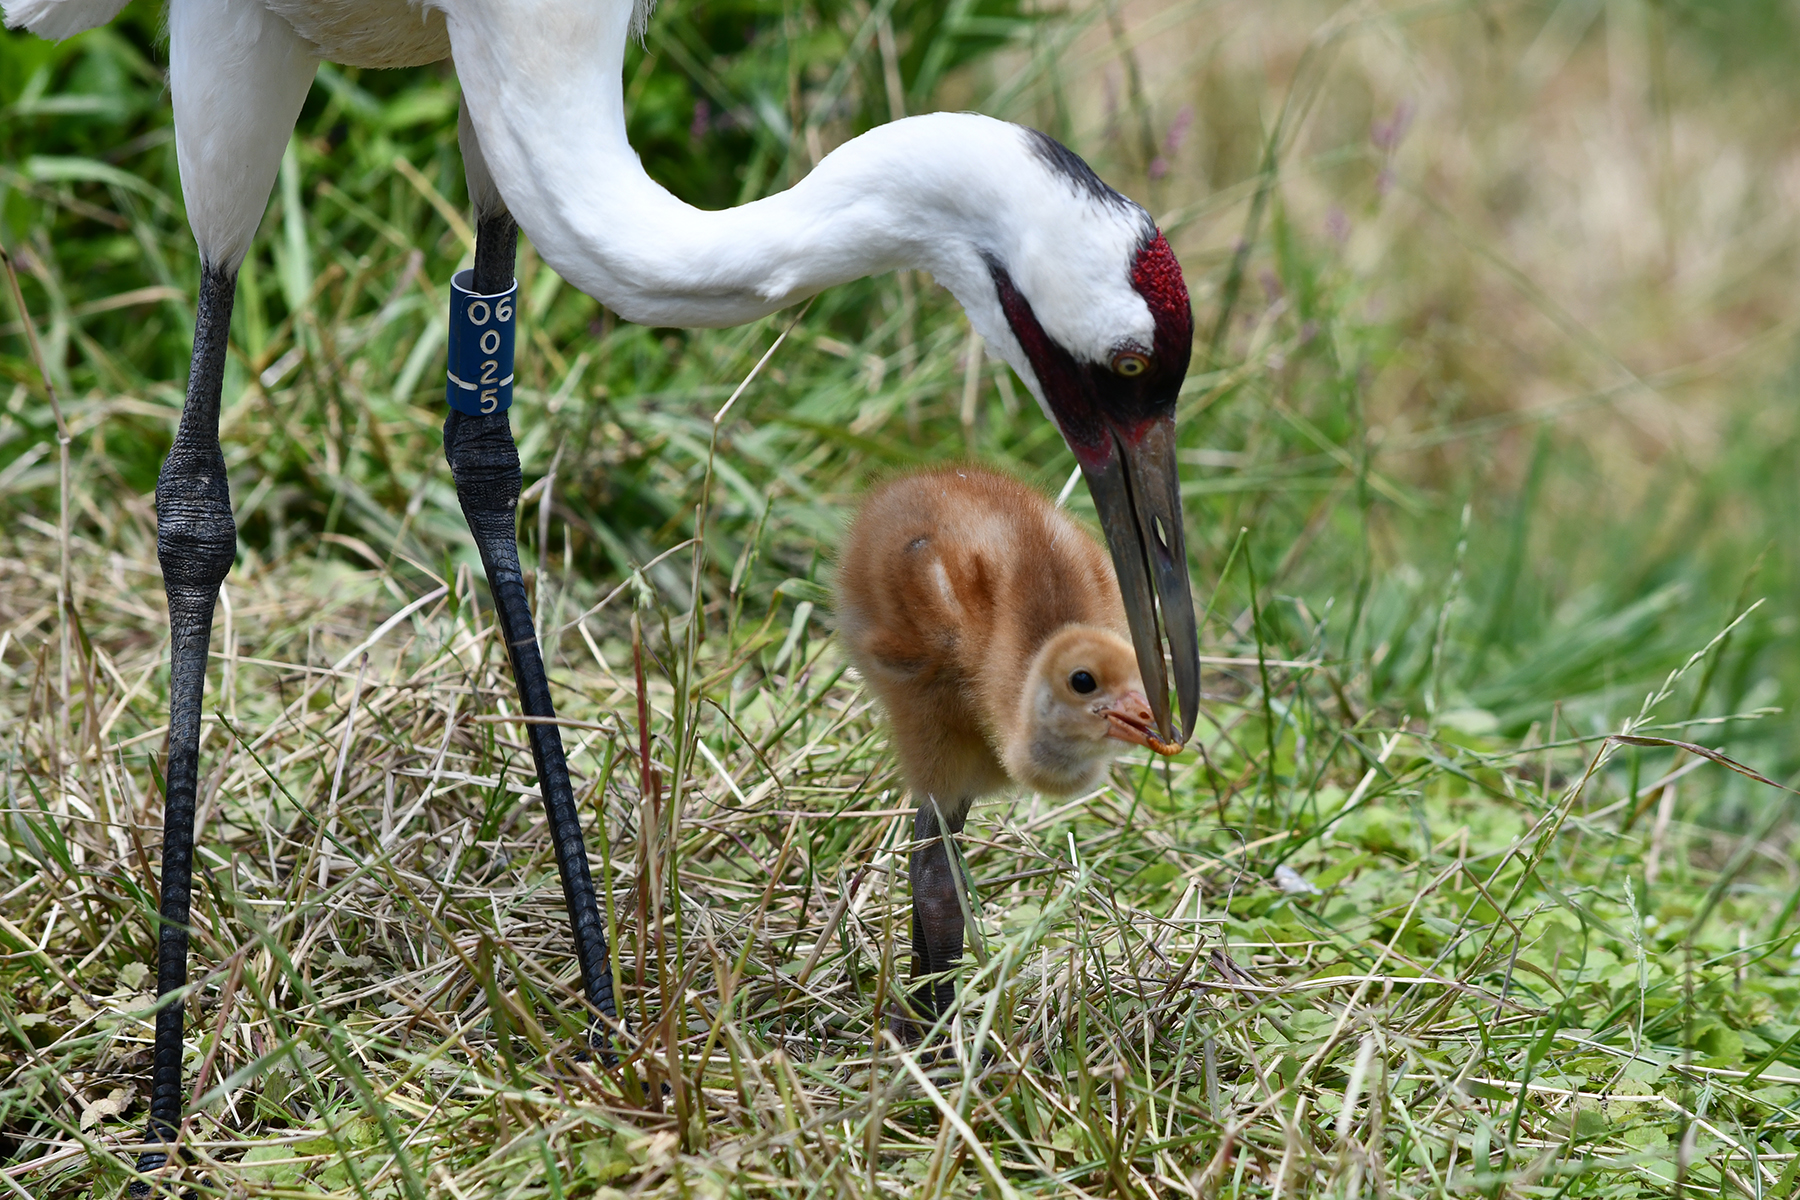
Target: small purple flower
1178	130
702	120
1387	134
1337	225
1159	166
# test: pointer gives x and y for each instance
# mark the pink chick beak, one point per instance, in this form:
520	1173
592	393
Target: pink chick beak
1130	720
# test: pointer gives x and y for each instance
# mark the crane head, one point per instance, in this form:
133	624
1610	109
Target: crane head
1100	313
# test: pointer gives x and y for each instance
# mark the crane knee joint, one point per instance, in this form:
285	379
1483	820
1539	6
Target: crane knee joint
196	537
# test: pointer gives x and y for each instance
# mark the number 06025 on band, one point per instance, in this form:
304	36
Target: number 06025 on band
480	374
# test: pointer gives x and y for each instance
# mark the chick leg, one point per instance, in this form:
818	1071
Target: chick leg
937	914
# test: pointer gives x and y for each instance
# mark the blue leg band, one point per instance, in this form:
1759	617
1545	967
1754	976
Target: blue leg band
480	373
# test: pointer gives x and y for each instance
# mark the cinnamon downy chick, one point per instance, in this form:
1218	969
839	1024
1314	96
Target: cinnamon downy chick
989	626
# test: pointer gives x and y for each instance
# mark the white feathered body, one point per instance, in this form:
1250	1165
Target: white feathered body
544	133
357	33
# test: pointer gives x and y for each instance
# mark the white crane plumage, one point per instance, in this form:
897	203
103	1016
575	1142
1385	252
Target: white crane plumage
1071	284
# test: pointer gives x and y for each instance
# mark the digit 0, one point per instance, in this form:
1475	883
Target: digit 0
490	341
485	312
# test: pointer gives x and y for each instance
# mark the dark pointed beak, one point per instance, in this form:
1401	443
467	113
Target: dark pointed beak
1137	493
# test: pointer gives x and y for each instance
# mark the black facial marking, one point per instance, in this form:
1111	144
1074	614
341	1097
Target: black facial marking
1087	398
1069	165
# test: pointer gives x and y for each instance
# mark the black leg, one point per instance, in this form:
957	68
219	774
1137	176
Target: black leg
937	917
496	250
485	461
196	540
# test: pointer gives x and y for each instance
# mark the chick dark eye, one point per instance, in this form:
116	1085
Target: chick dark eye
1082	682
1130	364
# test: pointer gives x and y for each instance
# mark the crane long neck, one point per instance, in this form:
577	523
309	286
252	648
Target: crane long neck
543	80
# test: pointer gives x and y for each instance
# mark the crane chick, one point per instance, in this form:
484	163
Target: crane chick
990	628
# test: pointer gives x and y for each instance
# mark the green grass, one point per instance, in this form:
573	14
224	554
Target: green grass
1490	437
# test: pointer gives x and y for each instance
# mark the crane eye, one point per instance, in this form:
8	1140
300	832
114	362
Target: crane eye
1082	682
1130	364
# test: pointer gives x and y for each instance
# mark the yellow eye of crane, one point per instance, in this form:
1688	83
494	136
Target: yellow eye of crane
1130	364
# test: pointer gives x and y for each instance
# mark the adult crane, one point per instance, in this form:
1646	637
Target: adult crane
1071	283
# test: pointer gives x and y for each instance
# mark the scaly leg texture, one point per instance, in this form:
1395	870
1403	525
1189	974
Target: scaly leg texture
196	540
485	461
937	918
